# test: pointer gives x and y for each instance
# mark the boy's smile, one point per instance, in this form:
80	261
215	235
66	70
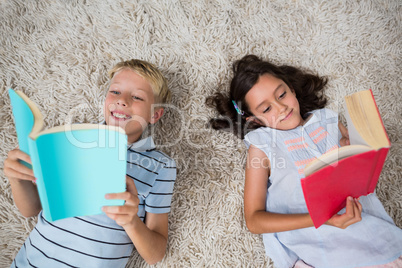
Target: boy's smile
128	104
120	116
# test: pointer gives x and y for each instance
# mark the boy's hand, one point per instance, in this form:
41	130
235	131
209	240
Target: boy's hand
21	179
15	170
126	214
352	214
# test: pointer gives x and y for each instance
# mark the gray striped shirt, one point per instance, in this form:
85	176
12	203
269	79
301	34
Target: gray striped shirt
97	241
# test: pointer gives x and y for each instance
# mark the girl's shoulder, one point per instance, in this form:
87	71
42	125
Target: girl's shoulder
328	113
259	137
322	116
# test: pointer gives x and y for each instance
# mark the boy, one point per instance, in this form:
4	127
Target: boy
107	240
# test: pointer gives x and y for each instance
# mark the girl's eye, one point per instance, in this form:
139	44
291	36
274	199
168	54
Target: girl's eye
137	98
267	110
114	92
282	95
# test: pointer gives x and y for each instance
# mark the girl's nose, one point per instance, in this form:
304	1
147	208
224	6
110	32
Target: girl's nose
281	106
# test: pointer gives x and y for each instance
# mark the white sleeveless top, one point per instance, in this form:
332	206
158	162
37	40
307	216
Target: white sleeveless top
374	240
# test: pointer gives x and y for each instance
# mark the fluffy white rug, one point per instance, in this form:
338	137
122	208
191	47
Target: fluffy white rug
58	52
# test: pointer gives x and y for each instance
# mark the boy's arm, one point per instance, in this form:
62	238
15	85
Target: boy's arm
149	238
21	179
259	220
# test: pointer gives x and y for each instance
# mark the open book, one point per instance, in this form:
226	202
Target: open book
75	165
351	170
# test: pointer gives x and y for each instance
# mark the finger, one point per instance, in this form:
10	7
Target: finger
356	207
17	154
18	167
120	210
131	186
121	196
13	174
349	207
16	170
357	210
120	219
13	162
344	142
343	129
359	205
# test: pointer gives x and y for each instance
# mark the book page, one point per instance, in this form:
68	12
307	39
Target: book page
332	157
38	123
73	127
365	120
354	136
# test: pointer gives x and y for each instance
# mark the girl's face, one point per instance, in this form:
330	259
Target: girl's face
274	104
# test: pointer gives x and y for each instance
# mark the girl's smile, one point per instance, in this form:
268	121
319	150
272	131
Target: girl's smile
288	116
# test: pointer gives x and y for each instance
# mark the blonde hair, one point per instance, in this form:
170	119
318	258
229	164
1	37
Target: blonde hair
149	72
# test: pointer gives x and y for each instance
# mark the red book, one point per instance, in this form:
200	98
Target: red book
351	170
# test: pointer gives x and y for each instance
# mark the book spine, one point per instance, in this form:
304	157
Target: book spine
40	184
378	164
379	115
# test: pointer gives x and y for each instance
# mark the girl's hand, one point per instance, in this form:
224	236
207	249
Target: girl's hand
15	170
345	135
126	214
352	215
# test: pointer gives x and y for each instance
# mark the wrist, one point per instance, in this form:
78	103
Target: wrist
133	224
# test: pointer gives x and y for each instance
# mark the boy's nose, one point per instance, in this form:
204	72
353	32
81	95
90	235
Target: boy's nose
121	101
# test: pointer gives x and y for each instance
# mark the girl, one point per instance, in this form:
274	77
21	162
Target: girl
284	108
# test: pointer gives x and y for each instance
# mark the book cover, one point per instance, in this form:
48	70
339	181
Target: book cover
352	170
75	165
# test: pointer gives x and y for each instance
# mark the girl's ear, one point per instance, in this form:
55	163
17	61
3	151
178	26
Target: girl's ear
254	120
157	115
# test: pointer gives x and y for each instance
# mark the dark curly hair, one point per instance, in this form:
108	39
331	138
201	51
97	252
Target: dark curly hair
308	87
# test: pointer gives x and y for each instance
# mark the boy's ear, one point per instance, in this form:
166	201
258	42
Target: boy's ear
158	112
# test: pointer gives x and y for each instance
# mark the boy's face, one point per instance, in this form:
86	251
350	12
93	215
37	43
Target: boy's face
128	104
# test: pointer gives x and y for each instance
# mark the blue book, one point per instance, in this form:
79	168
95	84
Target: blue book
75	165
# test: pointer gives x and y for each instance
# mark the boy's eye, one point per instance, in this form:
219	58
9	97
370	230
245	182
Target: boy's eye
137	98
114	92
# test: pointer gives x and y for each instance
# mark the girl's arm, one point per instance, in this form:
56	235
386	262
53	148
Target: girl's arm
21	179
259	221
149	238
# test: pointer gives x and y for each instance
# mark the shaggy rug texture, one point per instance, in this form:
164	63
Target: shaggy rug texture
59	52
